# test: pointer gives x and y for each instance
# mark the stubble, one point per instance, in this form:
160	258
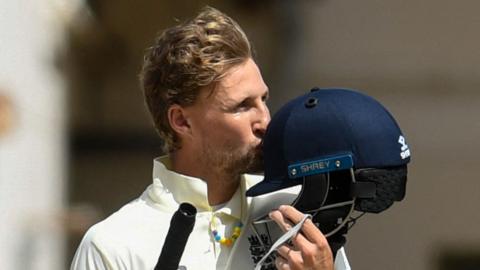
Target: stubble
233	161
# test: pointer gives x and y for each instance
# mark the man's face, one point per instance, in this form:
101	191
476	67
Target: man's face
229	122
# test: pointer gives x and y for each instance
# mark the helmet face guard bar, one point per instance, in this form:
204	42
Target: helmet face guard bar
331	197
325	196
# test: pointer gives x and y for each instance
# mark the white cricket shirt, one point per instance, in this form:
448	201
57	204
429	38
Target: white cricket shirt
132	238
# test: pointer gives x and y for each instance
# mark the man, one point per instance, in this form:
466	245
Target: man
207	99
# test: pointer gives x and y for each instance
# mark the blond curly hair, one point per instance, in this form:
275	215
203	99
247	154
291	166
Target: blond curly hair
186	58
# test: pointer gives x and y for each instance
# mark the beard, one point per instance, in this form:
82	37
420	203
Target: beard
233	161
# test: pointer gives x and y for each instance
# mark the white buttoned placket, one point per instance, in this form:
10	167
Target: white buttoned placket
225	224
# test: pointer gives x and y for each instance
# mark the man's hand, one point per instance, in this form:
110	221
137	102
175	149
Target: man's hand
310	248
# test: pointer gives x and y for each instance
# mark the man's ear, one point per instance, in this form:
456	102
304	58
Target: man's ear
178	120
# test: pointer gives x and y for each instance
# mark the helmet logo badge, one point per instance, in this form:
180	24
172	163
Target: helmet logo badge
405	151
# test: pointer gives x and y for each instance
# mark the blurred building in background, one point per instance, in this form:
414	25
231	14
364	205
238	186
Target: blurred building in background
76	142
33	156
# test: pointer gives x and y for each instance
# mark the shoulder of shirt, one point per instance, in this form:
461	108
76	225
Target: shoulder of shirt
124	227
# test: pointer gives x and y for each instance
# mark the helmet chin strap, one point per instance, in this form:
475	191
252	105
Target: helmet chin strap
287	236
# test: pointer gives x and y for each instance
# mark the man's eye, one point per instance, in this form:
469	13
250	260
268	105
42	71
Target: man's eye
242	106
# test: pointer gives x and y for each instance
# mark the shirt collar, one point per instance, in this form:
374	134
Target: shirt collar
234	207
171	188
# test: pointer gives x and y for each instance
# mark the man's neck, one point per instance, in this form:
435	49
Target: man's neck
221	186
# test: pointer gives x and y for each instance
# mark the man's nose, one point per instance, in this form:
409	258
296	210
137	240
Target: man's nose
261	121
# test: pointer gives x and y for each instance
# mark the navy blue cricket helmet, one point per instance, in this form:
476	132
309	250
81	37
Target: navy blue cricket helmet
343	146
